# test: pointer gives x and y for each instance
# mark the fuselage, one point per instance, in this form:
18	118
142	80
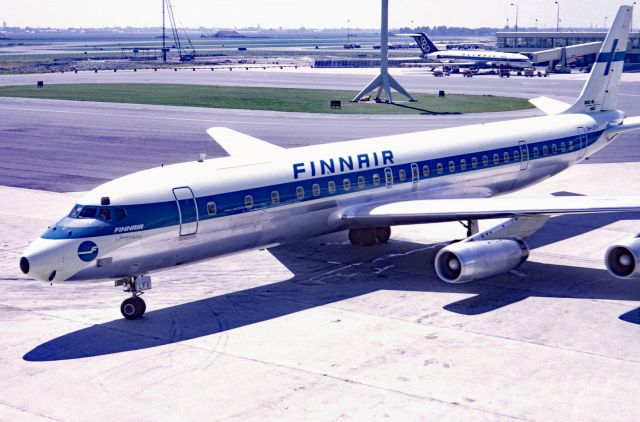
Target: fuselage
183	213
481	58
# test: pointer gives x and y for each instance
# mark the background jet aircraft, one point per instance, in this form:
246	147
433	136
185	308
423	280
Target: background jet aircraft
468	58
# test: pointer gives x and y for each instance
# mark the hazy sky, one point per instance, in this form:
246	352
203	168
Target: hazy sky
311	14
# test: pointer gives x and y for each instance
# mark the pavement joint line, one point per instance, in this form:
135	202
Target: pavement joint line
3	403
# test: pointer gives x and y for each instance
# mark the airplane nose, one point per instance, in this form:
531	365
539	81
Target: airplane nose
24	265
43	259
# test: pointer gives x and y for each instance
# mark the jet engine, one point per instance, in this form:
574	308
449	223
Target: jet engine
622	259
467	261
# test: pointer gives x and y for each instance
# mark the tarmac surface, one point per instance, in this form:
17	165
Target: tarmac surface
319	330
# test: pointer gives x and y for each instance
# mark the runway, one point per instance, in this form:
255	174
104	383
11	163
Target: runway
320	330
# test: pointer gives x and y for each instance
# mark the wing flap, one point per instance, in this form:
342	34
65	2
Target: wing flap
240	145
442	210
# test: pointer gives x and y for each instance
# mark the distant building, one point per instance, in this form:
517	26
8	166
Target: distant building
528	42
227	34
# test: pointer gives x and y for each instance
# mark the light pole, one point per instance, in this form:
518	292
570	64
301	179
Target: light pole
514	4
631	23
605	24
536	24
348	31
558	17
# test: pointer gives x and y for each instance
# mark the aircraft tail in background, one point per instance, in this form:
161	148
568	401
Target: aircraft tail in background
424	42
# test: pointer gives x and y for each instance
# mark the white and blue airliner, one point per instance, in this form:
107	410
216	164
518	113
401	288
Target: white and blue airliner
468	58
263	195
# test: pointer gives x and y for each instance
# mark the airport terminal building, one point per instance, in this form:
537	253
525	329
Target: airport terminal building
531	42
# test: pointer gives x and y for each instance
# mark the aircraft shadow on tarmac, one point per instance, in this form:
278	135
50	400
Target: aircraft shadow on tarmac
398	265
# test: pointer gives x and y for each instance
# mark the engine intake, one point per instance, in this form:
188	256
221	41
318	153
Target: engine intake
467	261
622	258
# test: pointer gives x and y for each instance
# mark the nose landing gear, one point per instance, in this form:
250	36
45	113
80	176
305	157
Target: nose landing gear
134	307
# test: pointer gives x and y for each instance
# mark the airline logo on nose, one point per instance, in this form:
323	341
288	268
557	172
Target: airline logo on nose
87	251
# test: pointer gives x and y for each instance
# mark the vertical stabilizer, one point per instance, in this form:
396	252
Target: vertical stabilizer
424	43
600	93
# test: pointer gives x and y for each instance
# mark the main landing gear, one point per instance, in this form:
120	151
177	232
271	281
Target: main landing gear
369	236
134	307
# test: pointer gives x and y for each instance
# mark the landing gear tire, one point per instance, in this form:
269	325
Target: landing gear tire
133	308
362	237
369	236
383	234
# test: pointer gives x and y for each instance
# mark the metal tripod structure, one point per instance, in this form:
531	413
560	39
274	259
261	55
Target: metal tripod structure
384	81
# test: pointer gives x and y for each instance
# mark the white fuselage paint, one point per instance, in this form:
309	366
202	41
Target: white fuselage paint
130	253
481	58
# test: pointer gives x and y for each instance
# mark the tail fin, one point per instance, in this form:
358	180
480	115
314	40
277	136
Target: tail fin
424	43
600	93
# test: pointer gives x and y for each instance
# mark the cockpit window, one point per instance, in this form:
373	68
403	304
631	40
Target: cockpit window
75	212
120	213
88	212
104	214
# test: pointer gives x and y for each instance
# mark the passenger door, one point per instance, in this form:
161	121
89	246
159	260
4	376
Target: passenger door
187	210
582	136
524	155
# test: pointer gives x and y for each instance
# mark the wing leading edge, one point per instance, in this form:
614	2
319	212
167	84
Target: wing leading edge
443	210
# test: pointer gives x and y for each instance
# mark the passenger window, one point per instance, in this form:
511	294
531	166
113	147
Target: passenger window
120	213
545	150
346	185
315	189
516	155
104	214
402	175
506	157
439	168
332	187
415	173
563	147
211	207
536	153
452	166
554	149
463	164
485	161
88	212
425	170
376	179
300	192
496	159
388	173
361	182
248	201
474	162
570	145
275	197
525	154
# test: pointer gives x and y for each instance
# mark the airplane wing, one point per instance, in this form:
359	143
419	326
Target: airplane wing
549	106
629	123
238	144
442	210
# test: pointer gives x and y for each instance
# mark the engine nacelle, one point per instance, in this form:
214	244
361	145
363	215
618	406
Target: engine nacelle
623	258
467	261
